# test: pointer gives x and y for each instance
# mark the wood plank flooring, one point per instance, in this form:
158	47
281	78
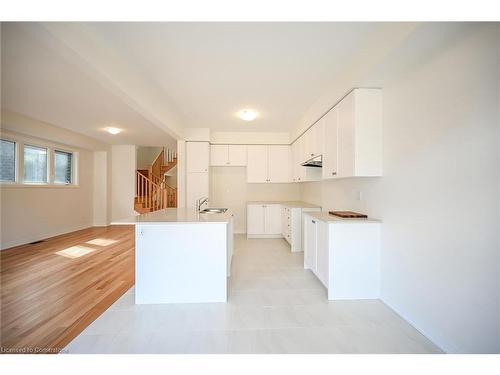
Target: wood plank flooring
51	291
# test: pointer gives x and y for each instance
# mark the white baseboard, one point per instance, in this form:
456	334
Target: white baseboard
42	236
264	236
410	322
101	224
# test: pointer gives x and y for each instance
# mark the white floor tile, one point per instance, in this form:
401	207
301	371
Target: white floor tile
274	306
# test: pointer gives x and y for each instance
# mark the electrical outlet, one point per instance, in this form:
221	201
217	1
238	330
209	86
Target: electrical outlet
359	196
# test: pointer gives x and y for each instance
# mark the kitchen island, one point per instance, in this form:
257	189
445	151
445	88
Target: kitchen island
181	255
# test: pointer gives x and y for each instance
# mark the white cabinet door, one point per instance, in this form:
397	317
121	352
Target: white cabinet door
196	187
219	155
307	145
317	137
279	164
346	118
310	243
273	218
301	171
295	162
322	252
255	219
284	221
237	155
257	163
330	158
197	157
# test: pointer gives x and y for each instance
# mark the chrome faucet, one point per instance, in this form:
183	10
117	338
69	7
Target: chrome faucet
200	202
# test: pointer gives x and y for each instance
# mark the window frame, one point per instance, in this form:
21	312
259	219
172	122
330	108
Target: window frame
66	151
47	162
22	141
16	160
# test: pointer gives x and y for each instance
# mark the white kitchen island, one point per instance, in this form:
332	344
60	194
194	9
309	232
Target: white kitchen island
181	256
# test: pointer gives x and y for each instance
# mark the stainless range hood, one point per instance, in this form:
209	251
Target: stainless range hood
317	162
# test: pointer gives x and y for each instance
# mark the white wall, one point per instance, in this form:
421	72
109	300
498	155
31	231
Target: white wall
229	188
122	181
439	197
31	213
18	123
146	156
34	213
101	189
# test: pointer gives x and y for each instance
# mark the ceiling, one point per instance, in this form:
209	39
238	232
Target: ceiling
156	79
39	83
210	71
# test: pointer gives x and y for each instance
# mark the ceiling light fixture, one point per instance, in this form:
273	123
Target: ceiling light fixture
113	130
247	115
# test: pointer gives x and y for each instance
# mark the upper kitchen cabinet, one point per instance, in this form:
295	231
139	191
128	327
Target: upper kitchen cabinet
228	155
279	163
305	146
310	144
257	163
197	157
330	157
237	155
359	135
314	140
268	164
219	155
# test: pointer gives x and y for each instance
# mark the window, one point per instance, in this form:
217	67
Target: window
25	161
63	167
7	161
35	165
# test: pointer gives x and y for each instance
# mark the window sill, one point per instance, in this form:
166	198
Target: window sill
6	185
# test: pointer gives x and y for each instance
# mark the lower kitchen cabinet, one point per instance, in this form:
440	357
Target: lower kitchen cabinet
264	220
292	225
310	246
344	255
274	220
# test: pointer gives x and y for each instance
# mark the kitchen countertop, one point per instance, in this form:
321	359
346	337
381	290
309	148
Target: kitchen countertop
290	204
326	217
176	216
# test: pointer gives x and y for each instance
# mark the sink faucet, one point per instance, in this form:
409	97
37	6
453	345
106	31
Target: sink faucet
200	202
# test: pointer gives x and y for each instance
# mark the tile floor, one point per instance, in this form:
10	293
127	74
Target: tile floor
275	306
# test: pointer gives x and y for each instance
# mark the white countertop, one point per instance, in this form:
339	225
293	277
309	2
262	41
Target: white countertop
327	218
175	216
290	204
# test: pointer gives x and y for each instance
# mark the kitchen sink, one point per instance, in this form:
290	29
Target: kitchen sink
213	211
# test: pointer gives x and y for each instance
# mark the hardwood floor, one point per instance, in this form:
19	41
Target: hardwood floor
51	291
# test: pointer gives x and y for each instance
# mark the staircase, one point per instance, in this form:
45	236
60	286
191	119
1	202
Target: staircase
152	192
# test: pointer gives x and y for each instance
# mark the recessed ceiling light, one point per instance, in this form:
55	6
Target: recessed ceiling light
113	130
247	115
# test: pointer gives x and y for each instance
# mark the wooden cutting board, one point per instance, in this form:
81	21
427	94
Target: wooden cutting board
348	214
